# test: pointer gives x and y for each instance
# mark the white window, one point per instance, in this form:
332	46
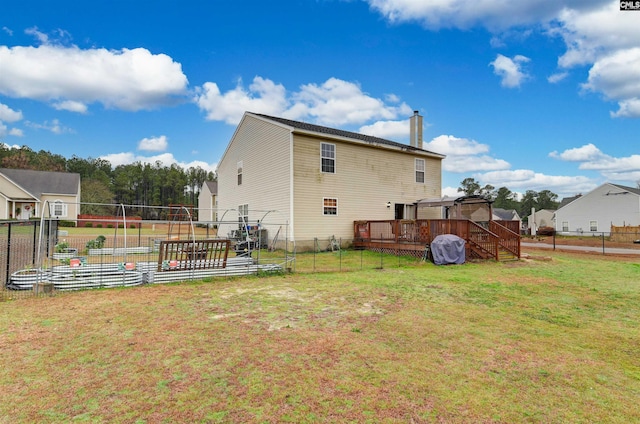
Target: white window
240	173
59	209
330	206
565	226
243	213
328	158
420	170
593	225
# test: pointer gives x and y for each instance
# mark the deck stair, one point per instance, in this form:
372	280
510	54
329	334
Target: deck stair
485	241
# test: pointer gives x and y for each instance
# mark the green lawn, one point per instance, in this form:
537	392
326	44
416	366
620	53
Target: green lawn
549	340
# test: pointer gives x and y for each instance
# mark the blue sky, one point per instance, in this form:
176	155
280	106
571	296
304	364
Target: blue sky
529	95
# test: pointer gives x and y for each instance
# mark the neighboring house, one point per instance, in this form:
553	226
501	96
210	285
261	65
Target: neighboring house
596	211
319	180
207	201
24	193
541	218
499	214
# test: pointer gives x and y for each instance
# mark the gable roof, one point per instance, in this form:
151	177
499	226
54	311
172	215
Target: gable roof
44	182
312	128
625	189
506	214
212	186
566	200
629	189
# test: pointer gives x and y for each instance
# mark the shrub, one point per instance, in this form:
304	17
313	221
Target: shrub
60	247
88	224
132	226
120	225
109	225
99	226
98	243
66	223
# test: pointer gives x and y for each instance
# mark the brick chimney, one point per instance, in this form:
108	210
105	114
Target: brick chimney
415	133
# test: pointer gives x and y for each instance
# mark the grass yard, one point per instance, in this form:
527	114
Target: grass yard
549	340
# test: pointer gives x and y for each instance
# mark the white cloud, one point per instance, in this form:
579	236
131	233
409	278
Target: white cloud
618	77
166	159
338	102
557	77
16	132
525	179
579	154
54	126
9	31
493	14
464	155
392	130
334	102
595	32
9	115
39	35
125	79
593	159
510	70
154	144
263	96
71	106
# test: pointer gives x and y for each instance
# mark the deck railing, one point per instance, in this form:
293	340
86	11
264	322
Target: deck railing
481	242
509	240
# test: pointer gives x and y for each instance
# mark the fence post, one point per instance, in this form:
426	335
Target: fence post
340	254
8	252
603	243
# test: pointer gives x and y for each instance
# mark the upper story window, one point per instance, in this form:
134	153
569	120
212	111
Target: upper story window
328	157
593	225
240	173
420	170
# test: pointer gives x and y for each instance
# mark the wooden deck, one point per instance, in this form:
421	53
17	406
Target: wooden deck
497	240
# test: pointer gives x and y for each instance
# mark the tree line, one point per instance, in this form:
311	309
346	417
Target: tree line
102	184
506	199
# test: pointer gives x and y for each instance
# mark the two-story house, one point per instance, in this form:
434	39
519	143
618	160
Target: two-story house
319	180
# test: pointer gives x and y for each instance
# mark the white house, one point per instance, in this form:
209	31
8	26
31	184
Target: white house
319	180
540	218
595	212
207	201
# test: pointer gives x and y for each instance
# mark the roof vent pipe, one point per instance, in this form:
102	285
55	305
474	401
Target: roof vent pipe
415	133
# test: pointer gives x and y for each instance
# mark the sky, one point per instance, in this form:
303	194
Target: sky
528	95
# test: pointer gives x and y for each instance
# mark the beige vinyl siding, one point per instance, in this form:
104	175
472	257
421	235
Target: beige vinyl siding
366	178
206	204
264	149
71	203
4	208
12	191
